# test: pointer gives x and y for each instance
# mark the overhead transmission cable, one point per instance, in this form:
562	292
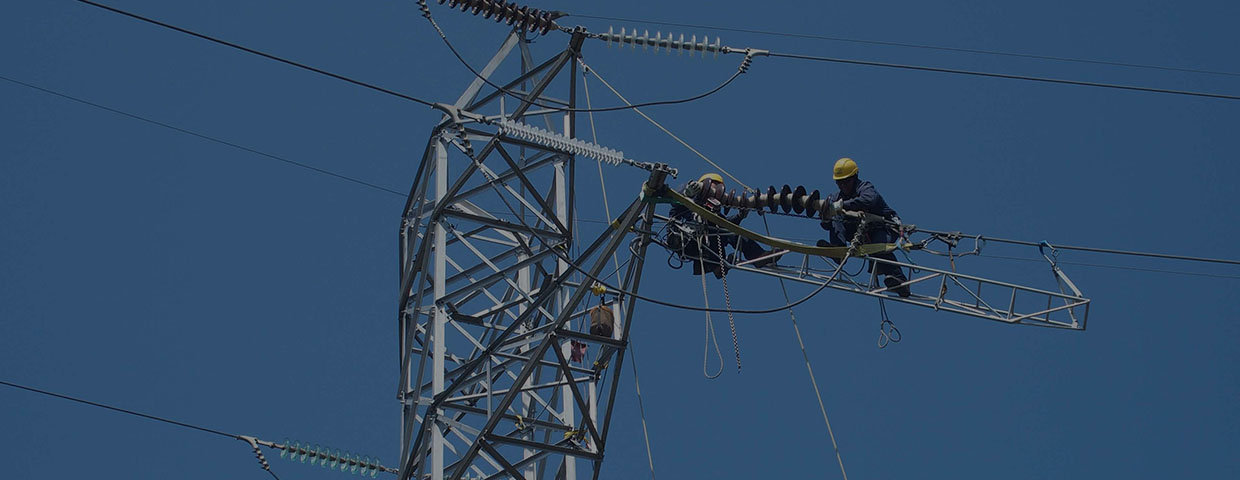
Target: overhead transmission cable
427	14
1002	75
1085	249
260	53
588	69
394	192
1117	267
205	137
136	414
356	464
224	142
424	102
910	45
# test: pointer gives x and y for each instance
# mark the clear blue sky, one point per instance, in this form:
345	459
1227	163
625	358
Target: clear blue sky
161	272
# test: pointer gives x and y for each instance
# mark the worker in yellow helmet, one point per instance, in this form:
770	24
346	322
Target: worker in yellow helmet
689	234
859	195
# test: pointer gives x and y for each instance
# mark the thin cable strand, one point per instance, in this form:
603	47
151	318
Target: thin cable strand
1002	75
640	407
121	410
1086	249
914	45
587	68
1118	267
259	53
205	137
813	381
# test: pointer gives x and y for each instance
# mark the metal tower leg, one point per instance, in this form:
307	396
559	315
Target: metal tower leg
492	296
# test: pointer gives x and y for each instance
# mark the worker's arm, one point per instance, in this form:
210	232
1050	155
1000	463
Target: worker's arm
867	197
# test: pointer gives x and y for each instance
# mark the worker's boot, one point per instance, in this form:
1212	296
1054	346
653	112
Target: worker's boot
895	284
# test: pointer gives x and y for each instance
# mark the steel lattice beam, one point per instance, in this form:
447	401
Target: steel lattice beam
488	312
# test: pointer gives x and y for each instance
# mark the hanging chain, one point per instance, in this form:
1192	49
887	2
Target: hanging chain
727	298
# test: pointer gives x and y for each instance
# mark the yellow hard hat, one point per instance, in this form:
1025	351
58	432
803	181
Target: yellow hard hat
712	176
844	168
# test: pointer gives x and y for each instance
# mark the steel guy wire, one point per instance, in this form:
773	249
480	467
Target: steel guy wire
205	137
1089	249
1002	75
259	53
813	381
426	13
1119	267
911	45
640	407
587	68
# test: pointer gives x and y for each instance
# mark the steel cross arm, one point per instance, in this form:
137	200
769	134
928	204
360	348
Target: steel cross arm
978	309
616	233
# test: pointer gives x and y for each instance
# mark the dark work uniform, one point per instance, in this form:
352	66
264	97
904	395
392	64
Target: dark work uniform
711	254
865	199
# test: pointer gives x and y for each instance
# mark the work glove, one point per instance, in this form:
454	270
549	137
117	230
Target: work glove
832	209
692	189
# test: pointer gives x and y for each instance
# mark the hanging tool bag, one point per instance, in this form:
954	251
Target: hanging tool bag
602	321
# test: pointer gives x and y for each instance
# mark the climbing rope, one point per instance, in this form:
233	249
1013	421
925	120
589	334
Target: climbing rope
710	327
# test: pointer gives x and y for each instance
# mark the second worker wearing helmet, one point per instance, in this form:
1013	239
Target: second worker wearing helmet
858	195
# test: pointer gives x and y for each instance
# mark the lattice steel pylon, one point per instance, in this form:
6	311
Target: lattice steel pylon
492	317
